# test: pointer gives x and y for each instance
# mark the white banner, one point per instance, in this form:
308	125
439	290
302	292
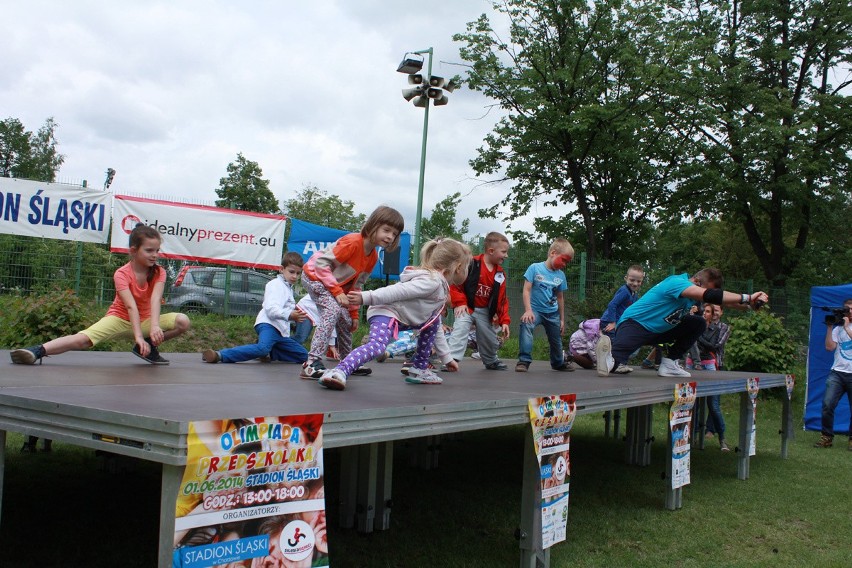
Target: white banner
53	211
202	234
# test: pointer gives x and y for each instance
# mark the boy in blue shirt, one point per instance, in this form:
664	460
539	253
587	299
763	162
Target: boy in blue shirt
662	316
623	299
544	283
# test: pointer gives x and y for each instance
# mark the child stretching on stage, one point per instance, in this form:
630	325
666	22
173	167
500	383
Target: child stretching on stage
415	302
341	268
272	324
134	313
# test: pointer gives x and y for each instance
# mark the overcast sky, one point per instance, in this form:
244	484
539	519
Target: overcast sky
167	94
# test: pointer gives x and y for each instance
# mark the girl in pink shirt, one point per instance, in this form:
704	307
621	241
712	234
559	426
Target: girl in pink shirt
135	312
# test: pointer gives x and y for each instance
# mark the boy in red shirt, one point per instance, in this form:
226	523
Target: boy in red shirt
481	299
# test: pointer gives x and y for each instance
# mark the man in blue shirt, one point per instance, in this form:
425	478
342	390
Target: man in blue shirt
662	316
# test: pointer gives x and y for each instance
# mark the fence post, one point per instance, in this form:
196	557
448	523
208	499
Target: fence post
79	268
226	304
581	288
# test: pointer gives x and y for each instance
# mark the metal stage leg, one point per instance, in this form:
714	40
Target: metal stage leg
365	511
425	452
674	497
171	479
384	486
533	555
639	435
613	418
348	486
630	437
616	422
3	465
699	422
786	432
746	424
366	474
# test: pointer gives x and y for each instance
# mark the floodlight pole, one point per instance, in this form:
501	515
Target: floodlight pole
418	220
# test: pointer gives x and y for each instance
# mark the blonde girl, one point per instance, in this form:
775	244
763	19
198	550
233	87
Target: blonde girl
134	313
415	302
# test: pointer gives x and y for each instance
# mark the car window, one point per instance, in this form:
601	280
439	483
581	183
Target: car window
200	277
218	281
257	283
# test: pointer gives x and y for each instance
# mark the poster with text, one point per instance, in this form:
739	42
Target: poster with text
753	389
680	423
201	233
54	211
252	494
551	418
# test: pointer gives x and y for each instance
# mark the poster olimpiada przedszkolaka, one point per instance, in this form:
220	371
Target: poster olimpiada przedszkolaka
252	491
551	418
680	422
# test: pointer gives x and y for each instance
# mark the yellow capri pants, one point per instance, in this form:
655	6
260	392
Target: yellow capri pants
113	327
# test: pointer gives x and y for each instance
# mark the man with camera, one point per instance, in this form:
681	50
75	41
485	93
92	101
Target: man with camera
838	338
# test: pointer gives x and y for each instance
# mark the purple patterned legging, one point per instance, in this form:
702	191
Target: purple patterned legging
382	330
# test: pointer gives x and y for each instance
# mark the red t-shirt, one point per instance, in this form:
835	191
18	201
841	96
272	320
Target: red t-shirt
125	279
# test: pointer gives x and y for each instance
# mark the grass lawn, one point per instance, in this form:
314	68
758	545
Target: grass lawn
66	508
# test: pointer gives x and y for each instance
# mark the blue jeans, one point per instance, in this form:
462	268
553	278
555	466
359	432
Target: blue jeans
269	342
302	331
550	323
836	384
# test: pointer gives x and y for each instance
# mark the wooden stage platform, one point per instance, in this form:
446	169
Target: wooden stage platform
117	403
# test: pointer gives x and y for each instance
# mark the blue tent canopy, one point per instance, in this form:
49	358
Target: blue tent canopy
308	238
820	360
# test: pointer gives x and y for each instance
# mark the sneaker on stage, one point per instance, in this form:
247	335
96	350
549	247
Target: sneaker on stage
312	369
333	379
28	356
422	377
671	368
603	354
153	356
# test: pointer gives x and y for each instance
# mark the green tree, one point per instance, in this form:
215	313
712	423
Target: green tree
28	155
245	189
442	221
586	133
772	123
314	205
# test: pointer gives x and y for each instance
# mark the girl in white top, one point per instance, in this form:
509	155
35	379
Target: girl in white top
415	302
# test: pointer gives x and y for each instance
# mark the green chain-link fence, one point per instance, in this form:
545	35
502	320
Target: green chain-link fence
31	265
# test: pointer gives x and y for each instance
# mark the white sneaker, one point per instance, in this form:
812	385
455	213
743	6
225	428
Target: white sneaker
603	353
333	379
622	369
671	368
422	377
475	355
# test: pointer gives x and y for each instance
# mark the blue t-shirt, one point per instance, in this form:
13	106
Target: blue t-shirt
545	285
623	299
662	307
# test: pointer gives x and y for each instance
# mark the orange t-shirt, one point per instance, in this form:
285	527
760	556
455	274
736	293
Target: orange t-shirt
125	279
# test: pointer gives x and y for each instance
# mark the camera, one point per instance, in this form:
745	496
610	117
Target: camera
836	316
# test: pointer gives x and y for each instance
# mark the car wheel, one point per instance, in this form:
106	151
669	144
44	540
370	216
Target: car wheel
193	309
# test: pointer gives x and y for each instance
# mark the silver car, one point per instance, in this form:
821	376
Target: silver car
201	289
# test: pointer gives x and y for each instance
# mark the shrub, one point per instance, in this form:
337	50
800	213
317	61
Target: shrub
759	342
37	319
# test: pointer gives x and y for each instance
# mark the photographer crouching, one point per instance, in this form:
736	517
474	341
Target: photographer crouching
838	338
